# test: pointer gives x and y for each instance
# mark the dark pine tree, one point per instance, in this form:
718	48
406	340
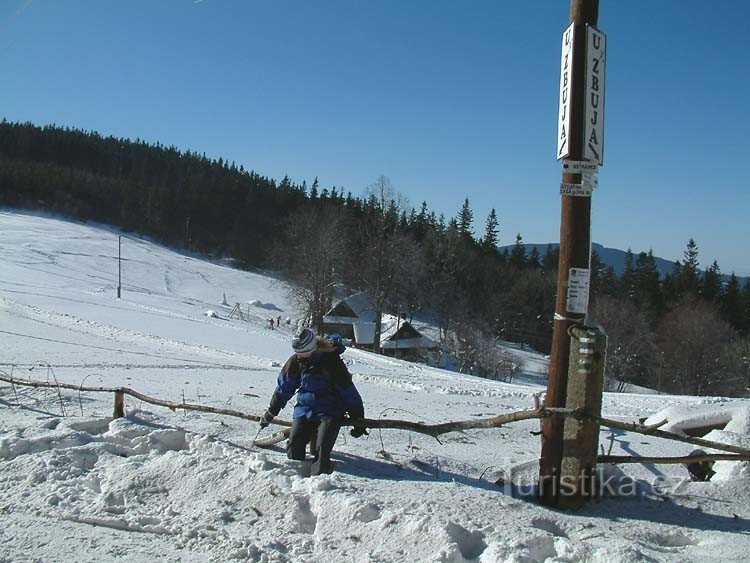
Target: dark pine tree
518	254
628	280
648	289
689	280
465	220
731	303
549	261
534	260
712	282
490	240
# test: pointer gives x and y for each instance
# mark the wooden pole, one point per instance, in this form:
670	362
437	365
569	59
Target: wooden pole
581	434
575	245
119	266
119	411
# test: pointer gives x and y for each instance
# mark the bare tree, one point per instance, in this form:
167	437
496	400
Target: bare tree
384	265
693	342
478	353
444	298
736	360
310	255
631	346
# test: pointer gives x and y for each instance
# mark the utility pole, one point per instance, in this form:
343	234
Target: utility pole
575	237
119	266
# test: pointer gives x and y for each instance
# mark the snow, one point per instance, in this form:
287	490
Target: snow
188	486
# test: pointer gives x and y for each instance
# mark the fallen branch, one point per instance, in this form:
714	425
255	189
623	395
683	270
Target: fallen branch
685	460
145	398
193	407
654	431
433	430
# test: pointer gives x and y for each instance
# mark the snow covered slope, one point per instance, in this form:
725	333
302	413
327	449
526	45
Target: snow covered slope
188	486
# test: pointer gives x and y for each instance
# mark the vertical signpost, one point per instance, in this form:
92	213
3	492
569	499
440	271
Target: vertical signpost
580	124
119	266
596	57
566	80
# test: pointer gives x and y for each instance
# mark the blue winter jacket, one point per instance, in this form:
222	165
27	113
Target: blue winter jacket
323	385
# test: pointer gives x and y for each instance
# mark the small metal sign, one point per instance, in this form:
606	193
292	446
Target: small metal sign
590	181
596	58
566	82
578	290
579	166
575	190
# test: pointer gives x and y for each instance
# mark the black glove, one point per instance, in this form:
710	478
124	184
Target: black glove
358	431
266	419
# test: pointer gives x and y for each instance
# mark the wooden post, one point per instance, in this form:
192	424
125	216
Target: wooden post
575	246
119	266
581	435
119	404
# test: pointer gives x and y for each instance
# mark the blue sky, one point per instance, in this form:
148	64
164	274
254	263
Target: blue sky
447	99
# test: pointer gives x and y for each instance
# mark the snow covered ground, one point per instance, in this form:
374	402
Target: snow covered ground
158	485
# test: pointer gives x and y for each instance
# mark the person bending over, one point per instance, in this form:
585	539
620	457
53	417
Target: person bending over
325	393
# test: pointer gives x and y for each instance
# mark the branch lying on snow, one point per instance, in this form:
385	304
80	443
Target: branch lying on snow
436	430
654	431
666	460
433	430
145	398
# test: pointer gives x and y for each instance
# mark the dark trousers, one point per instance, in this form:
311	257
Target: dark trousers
325	431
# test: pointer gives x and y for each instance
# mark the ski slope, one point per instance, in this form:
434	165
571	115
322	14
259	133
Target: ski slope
187	486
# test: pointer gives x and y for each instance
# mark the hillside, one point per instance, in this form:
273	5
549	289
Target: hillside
188	486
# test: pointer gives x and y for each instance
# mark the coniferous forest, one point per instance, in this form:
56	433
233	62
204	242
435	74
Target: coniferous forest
686	332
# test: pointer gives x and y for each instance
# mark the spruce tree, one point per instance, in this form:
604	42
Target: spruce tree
648	290
490	240
518	254
551	256
628	279
689	280
534	261
730	303
465	219
597	269
712	282
745	323
609	282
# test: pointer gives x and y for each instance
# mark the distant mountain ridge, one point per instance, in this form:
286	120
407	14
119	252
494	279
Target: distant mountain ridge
616	258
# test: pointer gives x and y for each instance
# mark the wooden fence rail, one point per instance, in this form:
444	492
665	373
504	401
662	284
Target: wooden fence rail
434	430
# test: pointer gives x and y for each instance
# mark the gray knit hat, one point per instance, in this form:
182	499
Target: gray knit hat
305	342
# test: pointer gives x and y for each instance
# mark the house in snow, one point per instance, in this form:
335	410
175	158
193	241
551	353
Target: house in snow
354	319
401	340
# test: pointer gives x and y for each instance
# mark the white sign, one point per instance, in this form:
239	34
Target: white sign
590	181
578	290
575	190
566	81
579	166
596	58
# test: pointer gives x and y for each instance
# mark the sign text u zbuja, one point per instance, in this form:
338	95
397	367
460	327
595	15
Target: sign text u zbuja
596	58
566	82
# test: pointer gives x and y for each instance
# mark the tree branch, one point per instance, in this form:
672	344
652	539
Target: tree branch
654	431
668	460
433	430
